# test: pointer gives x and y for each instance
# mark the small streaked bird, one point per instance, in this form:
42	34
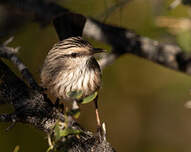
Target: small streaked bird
70	66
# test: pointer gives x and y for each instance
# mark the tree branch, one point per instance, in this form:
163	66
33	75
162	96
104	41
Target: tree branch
122	40
125	41
33	107
10	53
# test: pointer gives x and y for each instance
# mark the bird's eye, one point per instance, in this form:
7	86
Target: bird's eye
74	55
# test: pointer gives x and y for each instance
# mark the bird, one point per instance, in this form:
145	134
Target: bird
71	66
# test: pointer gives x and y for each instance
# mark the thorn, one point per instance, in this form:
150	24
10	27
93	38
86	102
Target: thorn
16	50
3	117
104	131
97	112
8	41
104	128
11	126
75	105
98	118
50	141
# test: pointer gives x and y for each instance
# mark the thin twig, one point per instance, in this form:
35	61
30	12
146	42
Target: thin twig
10	54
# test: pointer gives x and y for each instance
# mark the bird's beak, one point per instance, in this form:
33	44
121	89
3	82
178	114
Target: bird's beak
98	50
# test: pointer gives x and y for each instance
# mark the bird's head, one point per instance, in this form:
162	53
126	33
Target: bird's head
75	47
72	53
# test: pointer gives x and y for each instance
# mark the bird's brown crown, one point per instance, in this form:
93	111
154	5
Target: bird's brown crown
74	46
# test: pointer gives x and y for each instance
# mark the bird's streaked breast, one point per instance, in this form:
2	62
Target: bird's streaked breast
82	78
63	73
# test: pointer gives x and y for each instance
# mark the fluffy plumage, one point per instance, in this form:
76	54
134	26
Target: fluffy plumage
71	66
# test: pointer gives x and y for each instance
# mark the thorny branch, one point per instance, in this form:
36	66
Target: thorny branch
33	107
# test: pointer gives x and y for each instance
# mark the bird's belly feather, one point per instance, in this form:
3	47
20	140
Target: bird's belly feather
82	79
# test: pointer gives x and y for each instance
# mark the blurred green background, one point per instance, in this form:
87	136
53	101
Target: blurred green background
141	103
